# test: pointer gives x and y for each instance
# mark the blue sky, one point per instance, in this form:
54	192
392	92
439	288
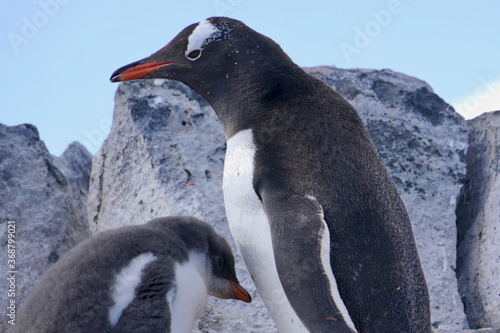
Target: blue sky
56	56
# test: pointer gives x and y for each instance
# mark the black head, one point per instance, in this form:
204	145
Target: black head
198	51
201	237
223	60
214	49
222	262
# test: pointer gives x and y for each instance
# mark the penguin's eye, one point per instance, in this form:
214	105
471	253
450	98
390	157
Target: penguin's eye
219	262
193	55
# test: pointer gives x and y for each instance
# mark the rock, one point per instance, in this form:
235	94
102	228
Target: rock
44	197
76	163
422	141
482	330
165	152
478	216
164	156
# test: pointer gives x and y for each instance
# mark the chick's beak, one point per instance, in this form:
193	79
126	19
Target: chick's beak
240	292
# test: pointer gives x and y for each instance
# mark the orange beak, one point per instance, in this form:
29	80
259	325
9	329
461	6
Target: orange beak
133	71
240	292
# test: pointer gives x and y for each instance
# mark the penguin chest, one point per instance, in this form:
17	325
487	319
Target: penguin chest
188	297
250	229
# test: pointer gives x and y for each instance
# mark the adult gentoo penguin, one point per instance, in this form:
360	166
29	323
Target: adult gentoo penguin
316	217
146	278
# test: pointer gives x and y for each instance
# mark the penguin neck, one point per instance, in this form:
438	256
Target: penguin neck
244	99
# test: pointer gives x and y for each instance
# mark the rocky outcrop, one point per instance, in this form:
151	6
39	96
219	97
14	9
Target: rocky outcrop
42	204
481	330
165	154
478	217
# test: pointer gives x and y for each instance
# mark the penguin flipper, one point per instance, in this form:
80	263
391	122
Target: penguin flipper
301	244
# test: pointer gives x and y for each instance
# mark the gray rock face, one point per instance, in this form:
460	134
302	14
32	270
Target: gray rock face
165	155
481	330
44	197
478	216
422	141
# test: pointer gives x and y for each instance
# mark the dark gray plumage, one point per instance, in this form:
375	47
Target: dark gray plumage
315	176
77	293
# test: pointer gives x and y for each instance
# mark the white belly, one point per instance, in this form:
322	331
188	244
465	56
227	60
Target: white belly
250	229
188	298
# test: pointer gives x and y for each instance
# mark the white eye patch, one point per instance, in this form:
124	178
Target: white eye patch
201	35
